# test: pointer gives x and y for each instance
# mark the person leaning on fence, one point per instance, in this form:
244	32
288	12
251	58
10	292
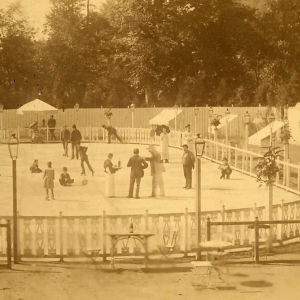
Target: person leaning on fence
137	165
65	137
112	131
49	180
75	139
188	161
34	168
225	169
65	179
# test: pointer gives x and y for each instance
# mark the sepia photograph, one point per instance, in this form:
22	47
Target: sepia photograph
149	149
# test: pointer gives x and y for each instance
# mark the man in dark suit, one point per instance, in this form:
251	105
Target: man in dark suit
52	125
75	140
112	131
137	165
65	137
188	161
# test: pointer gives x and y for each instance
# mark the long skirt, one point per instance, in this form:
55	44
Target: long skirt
110	184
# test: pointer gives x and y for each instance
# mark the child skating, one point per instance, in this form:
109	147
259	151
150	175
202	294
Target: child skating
49	180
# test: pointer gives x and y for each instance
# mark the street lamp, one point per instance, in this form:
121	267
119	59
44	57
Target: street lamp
196	111
132	106
176	111
271	120
199	147
13	147
227	114
77	110
246	121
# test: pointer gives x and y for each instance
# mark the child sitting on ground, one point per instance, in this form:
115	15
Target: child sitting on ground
225	169
35	167
65	178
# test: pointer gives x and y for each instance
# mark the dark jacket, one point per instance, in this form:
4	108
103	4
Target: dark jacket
108	164
111	130
137	165
75	136
65	135
188	159
51	123
82	152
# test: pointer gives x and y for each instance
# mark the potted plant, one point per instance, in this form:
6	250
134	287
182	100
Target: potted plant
267	167
108	113
215	121
285	134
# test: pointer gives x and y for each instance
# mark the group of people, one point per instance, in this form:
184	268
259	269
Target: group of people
137	163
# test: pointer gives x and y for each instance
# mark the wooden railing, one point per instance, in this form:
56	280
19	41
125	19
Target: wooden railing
58	236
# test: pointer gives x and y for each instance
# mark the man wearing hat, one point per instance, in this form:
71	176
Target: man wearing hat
188	138
188	161
65	137
157	168
52	125
112	131
137	164
75	139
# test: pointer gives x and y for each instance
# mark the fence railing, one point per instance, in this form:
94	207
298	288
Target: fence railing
245	161
58	236
256	225
5	242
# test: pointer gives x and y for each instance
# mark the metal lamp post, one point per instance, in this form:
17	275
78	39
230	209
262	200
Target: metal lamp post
13	147
176	112
196	111
246	121
199	149
271	120
76	106
227	114
132	106
108	115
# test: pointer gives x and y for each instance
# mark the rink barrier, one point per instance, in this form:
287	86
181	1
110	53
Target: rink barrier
58	236
240	159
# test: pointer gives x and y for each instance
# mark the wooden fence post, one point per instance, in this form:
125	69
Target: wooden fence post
186	234
147	220
208	229
8	238
61	238
256	240
104	235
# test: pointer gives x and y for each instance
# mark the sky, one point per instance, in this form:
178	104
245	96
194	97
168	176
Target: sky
36	10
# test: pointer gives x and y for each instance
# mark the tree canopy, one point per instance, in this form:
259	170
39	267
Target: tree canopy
153	52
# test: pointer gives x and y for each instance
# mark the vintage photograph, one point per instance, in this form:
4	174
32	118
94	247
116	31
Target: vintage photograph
149	149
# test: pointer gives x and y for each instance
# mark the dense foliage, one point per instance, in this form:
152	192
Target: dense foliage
154	52
267	167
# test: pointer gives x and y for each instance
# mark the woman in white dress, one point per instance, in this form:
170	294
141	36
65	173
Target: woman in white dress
189	139
164	142
110	171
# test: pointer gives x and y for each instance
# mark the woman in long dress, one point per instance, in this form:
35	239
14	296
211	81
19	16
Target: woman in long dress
164	142
110	171
49	180
189	139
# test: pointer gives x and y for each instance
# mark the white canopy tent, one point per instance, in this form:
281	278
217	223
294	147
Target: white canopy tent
165	116
37	106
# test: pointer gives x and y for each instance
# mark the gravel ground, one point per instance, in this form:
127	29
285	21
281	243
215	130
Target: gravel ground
69	281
